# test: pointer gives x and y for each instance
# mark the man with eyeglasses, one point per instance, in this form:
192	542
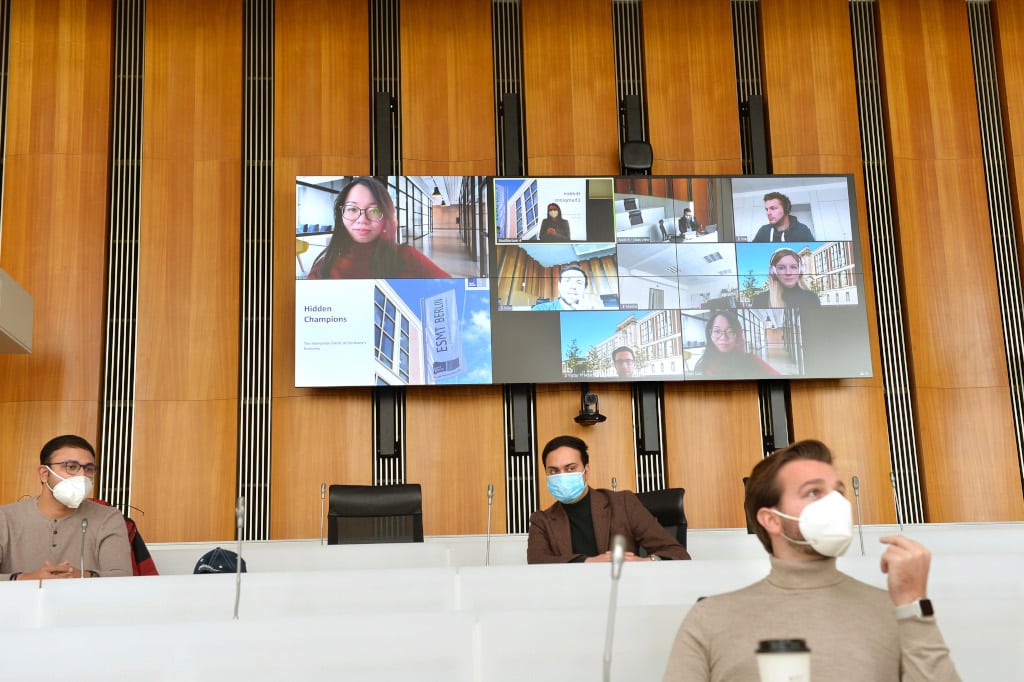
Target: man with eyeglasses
625	362
60	533
572	291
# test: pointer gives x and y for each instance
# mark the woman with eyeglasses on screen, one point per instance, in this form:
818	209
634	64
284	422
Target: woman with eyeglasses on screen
725	351
364	244
787	284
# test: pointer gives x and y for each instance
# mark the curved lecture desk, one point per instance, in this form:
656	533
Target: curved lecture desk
434	611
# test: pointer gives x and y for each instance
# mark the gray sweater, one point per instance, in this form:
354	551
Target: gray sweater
28	538
850	628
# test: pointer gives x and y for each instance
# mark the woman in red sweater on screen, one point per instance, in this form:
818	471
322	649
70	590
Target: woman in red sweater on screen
725	351
364	245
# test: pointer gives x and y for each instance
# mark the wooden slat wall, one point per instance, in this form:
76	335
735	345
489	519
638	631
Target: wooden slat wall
321	127
966	439
54	227
569	88
694	124
454	436
1009	28
183	473
812	114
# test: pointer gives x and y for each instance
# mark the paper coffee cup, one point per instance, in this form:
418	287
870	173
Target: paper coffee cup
784	660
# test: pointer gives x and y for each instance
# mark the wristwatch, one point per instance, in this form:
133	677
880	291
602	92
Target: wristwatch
921	607
655	557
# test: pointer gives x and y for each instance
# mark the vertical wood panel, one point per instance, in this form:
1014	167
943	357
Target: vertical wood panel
957	356
454	449
54	226
714	433
447	88
187	377
691	77
812	113
321	126
569	88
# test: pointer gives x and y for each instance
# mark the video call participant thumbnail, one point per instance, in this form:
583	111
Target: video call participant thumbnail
787	284
579	527
364	244
572	291
782	225
725	351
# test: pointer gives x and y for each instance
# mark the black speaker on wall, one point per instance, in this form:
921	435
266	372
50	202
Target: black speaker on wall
512	142
758	134
632	119
386	407
647	401
383	134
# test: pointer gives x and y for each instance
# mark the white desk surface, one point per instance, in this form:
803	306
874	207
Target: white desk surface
432	611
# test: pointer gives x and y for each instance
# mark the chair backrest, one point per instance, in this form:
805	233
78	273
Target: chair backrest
667	507
364	514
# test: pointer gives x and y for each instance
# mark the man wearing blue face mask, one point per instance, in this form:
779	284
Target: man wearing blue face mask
60	533
580	525
796	503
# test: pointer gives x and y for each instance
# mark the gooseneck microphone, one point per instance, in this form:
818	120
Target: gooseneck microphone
239	525
896	499
618	556
81	555
323	502
615	484
860	522
490	501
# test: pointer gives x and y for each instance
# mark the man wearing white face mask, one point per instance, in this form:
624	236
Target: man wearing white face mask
856	633
581	524
60	532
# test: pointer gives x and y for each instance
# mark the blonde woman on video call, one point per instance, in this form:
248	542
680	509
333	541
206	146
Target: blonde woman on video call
787	284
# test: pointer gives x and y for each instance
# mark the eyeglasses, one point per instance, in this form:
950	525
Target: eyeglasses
624	361
717	333
351	213
73	467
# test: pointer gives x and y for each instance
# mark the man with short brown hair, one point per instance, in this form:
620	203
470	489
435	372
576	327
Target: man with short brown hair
796	502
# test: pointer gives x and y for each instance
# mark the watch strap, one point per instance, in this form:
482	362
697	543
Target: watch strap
919	607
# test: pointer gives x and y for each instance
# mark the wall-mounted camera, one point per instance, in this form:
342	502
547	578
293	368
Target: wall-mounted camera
590	412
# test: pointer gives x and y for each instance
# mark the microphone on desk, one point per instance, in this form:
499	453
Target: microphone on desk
615	484
860	521
618	556
323	502
896	498
81	555
239	525
490	501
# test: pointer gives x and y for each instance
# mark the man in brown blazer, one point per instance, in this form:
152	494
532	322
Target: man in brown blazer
579	527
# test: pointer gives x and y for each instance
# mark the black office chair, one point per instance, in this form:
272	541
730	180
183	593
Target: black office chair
637	157
365	514
667	507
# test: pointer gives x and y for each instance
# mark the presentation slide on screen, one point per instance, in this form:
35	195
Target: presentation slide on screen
567	279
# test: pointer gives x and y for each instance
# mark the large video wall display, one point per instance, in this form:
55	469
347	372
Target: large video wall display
572	279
